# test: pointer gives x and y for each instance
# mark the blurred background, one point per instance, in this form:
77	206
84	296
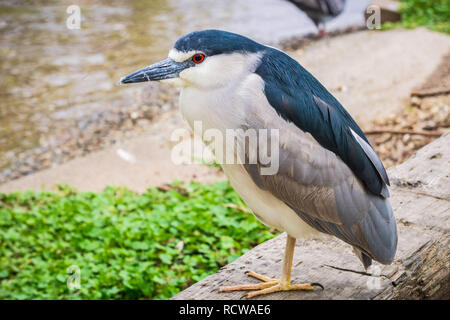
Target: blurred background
58	84
68	133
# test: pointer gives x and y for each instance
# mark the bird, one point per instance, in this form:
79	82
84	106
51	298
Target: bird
320	11
329	180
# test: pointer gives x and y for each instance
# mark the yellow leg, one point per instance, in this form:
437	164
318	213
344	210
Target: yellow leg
272	285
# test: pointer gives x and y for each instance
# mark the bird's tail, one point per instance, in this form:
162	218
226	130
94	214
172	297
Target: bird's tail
365	259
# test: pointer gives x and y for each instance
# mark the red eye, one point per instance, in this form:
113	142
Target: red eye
198	57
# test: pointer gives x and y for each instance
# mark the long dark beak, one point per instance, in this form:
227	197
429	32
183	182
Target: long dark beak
165	69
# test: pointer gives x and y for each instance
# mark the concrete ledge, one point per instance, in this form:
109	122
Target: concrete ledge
420	197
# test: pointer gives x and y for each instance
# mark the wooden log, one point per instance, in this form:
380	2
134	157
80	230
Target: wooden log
420	196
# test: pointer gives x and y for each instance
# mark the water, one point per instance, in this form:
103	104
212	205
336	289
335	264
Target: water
50	74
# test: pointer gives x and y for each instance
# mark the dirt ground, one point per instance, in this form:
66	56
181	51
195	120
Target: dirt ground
438	82
371	73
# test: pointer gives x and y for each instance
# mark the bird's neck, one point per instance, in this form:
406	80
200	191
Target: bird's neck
215	109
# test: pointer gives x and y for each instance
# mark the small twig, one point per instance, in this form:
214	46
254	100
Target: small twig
298	263
430	92
354	271
423	133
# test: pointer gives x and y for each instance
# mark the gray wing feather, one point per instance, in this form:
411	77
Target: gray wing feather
326	194
375	161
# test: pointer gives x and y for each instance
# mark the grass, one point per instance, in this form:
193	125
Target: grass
433	14
126	245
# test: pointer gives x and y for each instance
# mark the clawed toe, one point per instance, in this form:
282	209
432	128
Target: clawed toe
268	285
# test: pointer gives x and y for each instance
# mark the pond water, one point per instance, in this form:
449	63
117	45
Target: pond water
50	73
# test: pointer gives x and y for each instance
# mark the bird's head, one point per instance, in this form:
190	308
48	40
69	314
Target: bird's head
203	59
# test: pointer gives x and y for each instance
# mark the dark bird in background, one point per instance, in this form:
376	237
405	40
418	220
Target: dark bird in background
320	11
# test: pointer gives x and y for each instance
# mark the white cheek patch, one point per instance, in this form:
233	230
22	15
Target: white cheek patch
221	70
180	56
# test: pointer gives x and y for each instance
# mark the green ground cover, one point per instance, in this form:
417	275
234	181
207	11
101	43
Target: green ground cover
124	245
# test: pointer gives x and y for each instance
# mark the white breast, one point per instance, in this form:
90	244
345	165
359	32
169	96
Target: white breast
227	108
267	209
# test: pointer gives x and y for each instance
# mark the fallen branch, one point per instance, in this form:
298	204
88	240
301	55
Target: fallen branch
423	133
430	92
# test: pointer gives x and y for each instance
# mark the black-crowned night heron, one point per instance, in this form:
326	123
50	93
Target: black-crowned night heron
329	179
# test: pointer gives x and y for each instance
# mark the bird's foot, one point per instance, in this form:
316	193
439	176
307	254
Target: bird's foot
323	34
268	285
